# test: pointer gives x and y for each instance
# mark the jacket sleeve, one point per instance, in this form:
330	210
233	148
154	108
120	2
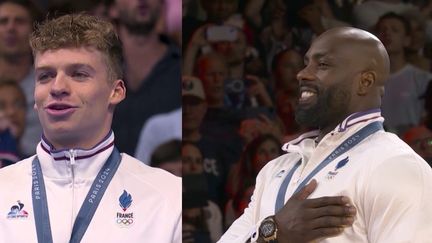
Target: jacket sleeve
396	201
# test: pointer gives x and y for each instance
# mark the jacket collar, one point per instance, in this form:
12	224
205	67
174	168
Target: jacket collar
75	163
353	121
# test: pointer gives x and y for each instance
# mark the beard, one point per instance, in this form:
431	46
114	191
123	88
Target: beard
136	27
331	107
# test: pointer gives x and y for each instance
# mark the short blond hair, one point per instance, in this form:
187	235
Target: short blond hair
80	30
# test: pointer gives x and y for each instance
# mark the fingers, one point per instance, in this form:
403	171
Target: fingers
332	210
306	191
331	221
325	201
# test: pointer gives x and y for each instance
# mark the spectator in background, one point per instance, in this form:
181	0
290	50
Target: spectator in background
157	130
212	70
367	13
401	106
240	91
307	20
167	156
152	69
285	67
255	156
221	12
200	214
16	20
192	159
220	121
420	137
415	49
12	121
277	35
216	160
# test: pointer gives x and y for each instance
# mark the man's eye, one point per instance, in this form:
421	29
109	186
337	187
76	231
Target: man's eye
43	76
80	75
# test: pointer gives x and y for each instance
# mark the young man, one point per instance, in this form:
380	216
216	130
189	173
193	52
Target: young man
348	181
79	188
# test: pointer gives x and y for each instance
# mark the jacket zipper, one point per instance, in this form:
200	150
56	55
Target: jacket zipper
72	155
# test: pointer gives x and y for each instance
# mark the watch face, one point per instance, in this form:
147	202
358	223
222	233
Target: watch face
267	228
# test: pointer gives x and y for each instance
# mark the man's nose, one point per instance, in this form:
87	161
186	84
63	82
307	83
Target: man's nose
305	74
60	86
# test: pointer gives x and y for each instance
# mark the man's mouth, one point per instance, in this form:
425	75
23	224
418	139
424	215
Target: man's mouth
308	95
59	106
60	109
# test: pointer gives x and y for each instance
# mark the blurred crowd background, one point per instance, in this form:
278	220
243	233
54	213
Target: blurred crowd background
240	60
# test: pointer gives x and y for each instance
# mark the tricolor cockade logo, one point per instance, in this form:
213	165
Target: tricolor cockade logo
17	211
125	219
331	174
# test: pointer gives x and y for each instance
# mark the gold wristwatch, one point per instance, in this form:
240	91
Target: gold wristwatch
268	229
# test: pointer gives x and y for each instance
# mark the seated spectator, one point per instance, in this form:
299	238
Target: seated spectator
167	156
157	130
12	121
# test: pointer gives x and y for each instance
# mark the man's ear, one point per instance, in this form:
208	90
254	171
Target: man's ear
367	81
118	92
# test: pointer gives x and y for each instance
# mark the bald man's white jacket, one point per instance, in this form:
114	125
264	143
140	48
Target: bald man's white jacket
155	209
388	183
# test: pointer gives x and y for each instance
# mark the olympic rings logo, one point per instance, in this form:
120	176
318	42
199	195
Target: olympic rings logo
125	221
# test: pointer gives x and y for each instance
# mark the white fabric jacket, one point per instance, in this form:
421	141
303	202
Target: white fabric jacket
156	198
388	183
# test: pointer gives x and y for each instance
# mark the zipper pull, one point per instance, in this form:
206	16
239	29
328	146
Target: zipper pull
72	155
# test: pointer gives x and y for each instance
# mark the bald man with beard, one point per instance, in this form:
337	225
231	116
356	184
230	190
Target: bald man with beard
349	180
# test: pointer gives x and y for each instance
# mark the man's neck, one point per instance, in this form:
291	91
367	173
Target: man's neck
324	131
397	61
136	49
332	125
15	68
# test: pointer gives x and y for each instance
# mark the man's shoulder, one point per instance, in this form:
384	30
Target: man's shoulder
18	171
387	149
17	167
153	179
